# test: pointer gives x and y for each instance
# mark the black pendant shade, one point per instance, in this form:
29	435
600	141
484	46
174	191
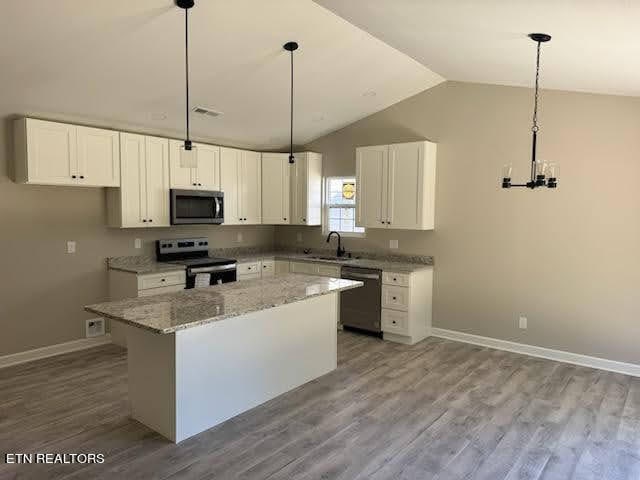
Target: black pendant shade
543	174
291	47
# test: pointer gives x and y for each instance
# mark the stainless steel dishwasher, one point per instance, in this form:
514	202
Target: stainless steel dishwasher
360	307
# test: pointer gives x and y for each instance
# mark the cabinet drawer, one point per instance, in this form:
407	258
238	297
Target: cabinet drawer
268	268
282	266
157	291
157	280
396	298
399	279
303	267
248	268
248	276
329	270
394	321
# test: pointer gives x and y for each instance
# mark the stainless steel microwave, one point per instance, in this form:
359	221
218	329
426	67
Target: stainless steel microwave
190	207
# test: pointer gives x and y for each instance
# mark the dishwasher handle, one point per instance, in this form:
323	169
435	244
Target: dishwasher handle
361	276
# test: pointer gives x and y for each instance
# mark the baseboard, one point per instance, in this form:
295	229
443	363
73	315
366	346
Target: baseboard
548	353
52	350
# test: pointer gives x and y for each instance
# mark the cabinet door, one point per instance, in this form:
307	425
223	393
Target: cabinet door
371	180
251	187
313	200
51	153
230	160
406	174
304	267
180	177
275	188
208	172
157	181
133	195
299	190
98	157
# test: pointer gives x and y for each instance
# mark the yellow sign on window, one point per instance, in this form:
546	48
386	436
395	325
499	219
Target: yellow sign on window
348	190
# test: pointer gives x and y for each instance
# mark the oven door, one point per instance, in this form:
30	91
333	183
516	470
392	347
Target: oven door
190	207
219	274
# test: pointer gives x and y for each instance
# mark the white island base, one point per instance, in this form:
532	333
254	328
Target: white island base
183	383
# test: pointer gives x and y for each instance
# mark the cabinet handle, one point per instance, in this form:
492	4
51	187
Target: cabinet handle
73	176
199	184
163	279
151	220
395	279
393	321
81	176
394	298
144	220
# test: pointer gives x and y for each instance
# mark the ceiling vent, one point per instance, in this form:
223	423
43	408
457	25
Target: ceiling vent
206	111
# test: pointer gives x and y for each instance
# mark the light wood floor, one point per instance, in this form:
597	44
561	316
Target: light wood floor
439	409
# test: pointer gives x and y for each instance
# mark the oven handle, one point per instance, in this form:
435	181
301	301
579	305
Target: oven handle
220	268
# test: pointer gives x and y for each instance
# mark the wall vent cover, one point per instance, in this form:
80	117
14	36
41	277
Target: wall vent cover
207	111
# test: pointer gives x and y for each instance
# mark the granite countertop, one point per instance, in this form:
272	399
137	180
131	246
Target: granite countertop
141	264
170	312
385	265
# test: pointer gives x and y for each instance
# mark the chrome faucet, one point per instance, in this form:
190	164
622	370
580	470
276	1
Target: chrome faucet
340	250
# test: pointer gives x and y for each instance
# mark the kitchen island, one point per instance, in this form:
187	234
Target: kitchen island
199	357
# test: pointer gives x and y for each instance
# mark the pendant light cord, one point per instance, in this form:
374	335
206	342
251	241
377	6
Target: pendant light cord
291	115
186	65
535	127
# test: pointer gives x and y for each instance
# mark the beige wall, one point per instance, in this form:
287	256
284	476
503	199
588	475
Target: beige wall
568	259
43	289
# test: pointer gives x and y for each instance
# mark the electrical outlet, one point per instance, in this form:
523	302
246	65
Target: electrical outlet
299	238
137	243
94	327
393	244
522	323
71	246
239	238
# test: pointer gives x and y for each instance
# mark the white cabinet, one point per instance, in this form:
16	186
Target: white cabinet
282	266
130	285
241	182
268	268
52	153
321	269
306	189
205	176
406	305
143	197
275	188
396	186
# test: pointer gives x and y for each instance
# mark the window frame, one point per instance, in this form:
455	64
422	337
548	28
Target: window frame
326	206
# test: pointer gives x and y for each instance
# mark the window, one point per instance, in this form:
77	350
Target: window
340	202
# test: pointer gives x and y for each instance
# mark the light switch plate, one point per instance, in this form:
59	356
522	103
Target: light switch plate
71	246
522	323
393	244
137	243
239	237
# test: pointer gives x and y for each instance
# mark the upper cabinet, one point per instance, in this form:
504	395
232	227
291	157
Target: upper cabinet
241	182
306	189
52	153
206	176
396	186
143	197
276	183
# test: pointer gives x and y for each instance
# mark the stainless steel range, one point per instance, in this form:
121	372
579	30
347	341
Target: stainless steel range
193	253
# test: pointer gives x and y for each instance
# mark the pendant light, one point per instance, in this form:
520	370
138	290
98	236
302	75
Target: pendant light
543	174
291	47
188	154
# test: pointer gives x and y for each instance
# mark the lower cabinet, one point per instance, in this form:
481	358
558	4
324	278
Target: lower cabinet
322	269
129	285
406	306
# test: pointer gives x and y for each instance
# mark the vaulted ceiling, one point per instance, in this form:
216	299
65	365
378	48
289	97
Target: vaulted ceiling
595	45
120	63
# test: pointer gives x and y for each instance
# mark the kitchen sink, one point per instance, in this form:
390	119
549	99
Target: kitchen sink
335	259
